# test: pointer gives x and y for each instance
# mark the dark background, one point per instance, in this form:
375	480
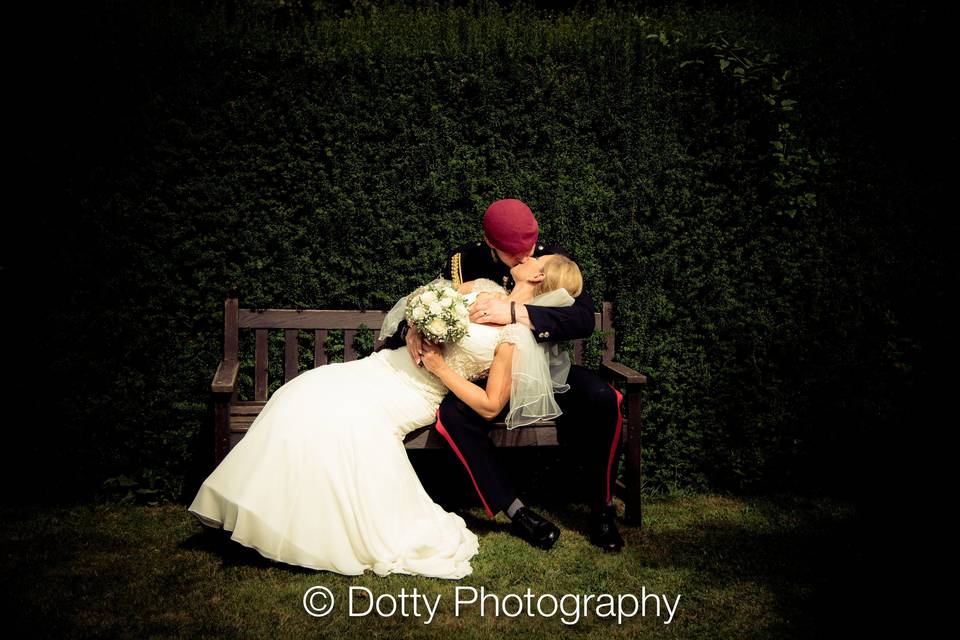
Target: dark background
159	160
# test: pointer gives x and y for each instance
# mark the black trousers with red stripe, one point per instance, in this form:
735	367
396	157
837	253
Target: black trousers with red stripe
591	423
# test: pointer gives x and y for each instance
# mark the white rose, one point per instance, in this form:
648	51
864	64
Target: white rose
418	313
427	297
446	301
437	327
435	308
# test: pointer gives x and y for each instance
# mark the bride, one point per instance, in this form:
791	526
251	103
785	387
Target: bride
322	479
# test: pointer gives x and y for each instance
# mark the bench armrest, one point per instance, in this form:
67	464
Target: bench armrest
621	372
225	380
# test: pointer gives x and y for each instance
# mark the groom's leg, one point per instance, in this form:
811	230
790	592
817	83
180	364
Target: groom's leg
591	426
469	436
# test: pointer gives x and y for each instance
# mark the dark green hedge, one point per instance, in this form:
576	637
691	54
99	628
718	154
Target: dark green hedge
698	163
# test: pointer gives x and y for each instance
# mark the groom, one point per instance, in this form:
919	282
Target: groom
591	408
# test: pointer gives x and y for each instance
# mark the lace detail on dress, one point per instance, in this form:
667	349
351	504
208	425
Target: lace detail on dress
511	333
484	284
469	364
471	357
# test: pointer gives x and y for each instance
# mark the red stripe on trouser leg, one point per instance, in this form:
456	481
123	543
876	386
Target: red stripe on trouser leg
616	439
456	450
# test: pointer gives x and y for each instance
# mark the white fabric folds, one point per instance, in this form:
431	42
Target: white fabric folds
538	371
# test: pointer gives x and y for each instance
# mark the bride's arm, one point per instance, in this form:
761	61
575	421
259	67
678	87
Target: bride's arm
489	402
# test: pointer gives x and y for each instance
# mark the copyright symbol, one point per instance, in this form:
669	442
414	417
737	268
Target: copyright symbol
318	601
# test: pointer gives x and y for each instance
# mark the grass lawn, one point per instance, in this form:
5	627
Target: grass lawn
771	567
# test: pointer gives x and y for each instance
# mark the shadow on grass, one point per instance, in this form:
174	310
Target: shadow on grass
545	478
232	554
797	560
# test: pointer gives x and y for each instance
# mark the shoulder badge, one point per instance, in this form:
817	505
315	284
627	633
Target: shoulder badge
456	271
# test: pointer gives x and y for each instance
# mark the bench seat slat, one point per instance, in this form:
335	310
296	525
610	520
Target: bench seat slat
543	433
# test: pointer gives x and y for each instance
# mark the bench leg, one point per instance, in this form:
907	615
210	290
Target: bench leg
221	426
633	504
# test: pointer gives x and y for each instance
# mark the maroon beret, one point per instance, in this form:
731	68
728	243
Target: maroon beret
510	226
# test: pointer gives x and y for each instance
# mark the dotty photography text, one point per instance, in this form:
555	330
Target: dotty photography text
570	608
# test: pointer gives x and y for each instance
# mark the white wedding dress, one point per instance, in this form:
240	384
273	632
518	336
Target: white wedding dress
322	479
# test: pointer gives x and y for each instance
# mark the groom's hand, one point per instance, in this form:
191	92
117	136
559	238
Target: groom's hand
490	308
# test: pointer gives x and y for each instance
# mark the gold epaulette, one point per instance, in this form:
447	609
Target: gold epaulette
456	271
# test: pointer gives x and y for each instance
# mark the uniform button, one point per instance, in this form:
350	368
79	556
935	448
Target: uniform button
546	334
478	244
540	247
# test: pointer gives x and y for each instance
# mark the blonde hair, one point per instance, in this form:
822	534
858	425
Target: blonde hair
560	271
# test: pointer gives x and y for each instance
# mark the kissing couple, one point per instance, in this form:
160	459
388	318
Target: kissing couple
322	479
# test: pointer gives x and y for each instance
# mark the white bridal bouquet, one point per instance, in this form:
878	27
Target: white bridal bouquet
439	312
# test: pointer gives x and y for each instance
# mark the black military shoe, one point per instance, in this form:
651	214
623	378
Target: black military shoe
534	529
603	528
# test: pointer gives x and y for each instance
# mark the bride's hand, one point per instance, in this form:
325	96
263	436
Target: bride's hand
414	344
433	361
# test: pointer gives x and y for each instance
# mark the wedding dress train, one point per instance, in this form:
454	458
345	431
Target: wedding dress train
322	479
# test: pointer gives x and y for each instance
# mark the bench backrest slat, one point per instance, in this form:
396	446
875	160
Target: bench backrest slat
260	376
349	353
606	325
290	350
319	353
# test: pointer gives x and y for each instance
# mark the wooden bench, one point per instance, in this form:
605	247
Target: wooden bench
232	416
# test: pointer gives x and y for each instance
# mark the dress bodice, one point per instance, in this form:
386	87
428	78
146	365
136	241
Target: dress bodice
471	356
